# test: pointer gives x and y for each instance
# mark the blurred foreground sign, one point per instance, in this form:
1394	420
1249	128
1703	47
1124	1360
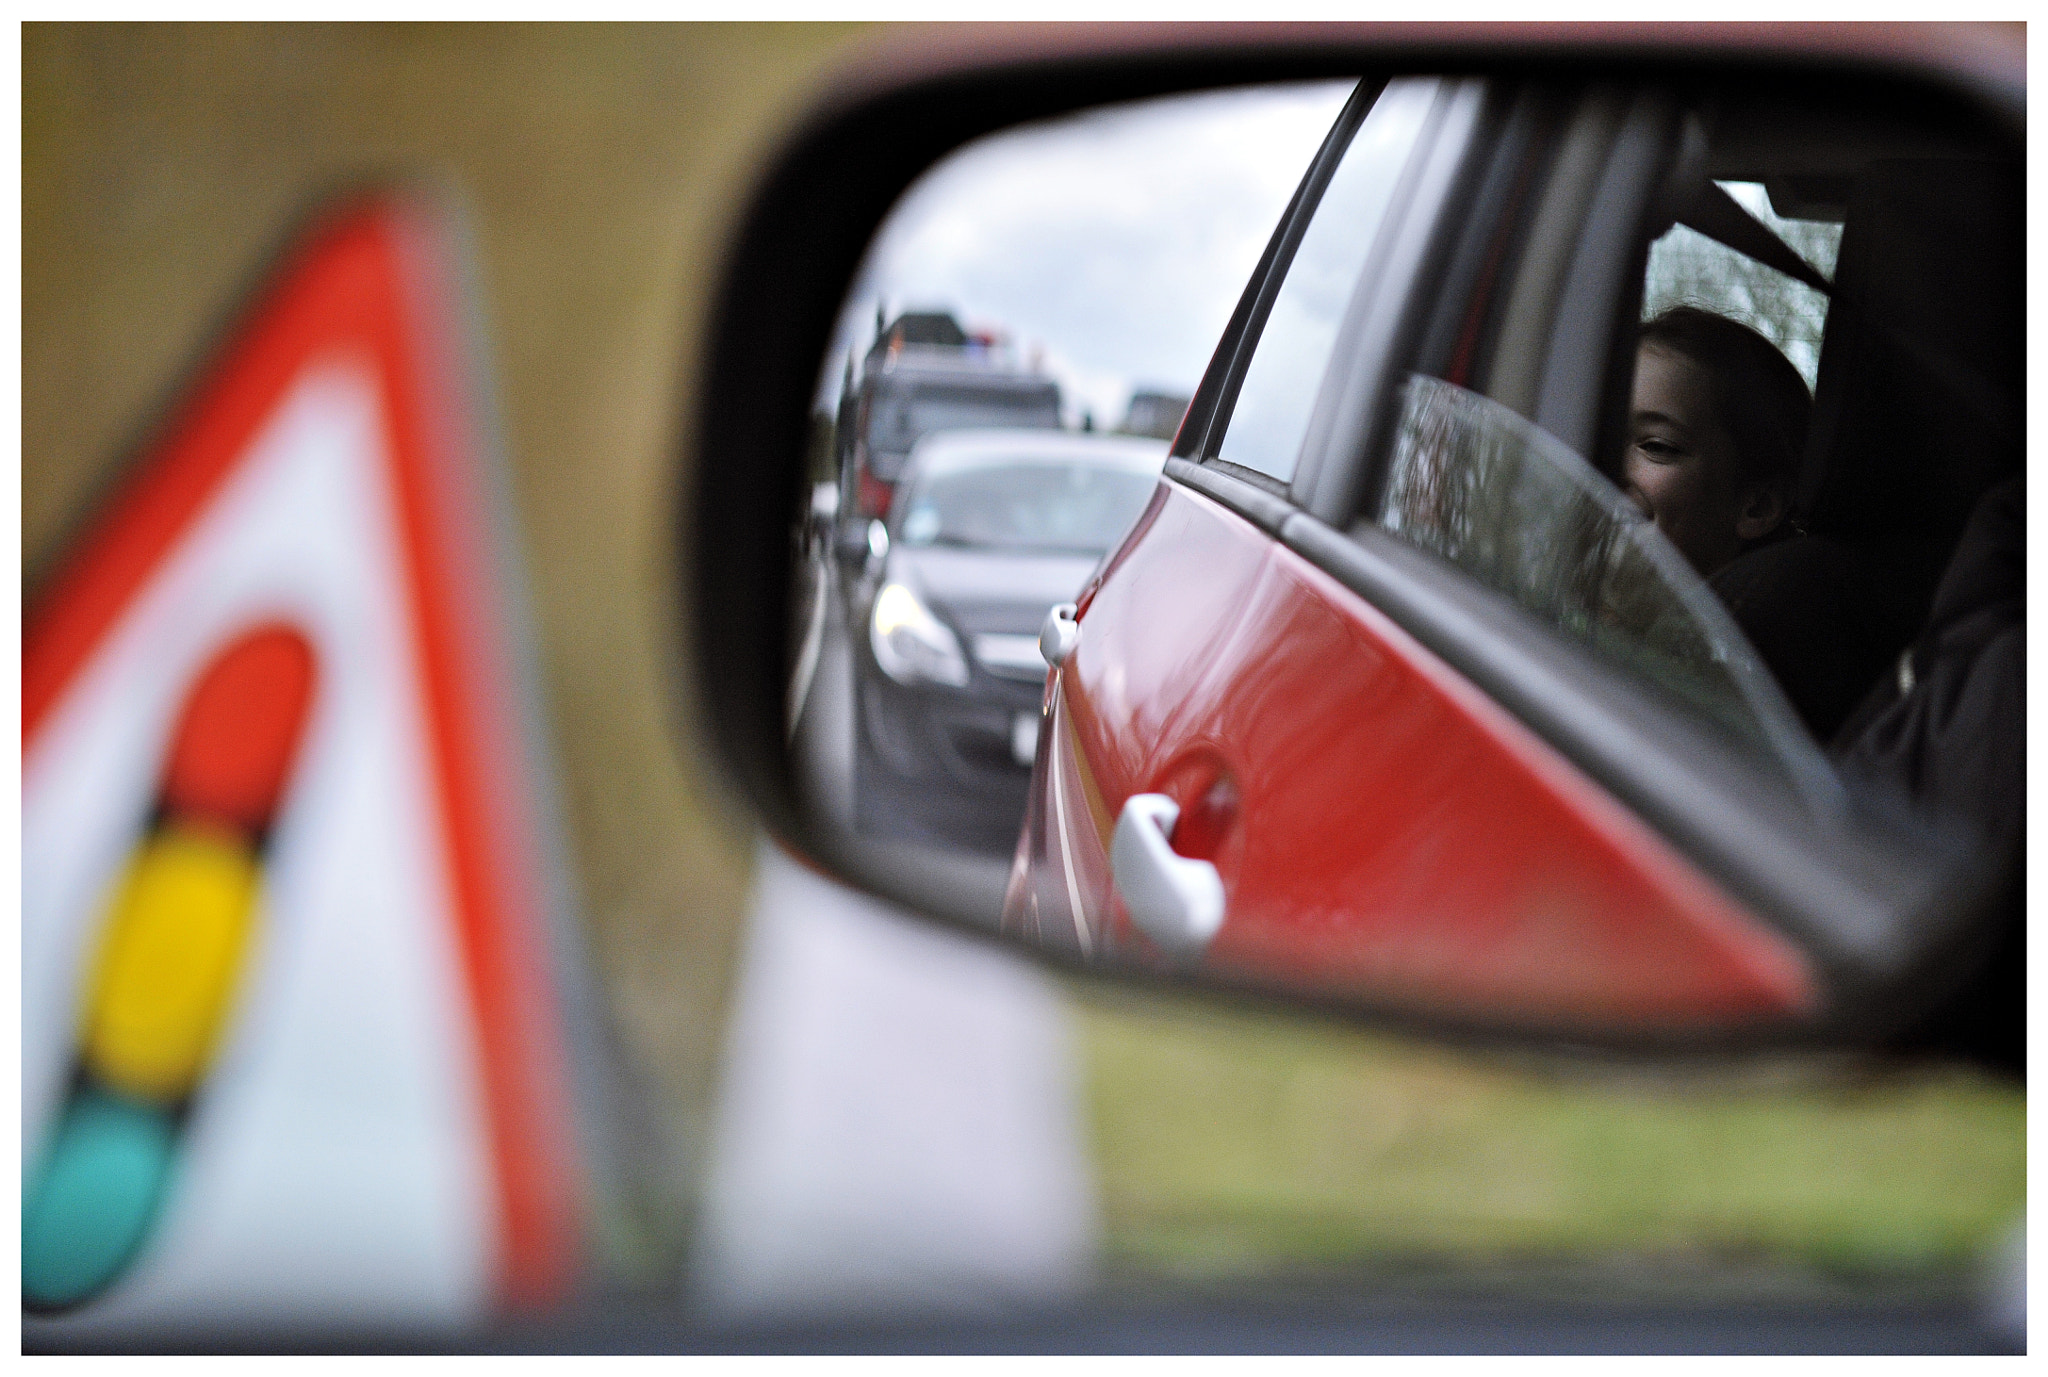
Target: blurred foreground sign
289	1050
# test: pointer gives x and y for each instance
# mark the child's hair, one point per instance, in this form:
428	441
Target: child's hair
1758	395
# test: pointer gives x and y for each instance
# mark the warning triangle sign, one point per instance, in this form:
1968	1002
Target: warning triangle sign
290	1047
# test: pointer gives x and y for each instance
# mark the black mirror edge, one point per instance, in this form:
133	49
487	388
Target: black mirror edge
799	241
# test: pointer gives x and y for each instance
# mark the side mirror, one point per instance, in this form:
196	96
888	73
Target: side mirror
1377	648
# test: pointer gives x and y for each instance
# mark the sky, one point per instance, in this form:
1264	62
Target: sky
1110	246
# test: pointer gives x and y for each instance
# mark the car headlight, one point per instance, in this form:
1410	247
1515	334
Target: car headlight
911	645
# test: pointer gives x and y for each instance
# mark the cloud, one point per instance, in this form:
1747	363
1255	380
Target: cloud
1113	243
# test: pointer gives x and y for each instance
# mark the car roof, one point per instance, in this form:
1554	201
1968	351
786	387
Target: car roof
952	450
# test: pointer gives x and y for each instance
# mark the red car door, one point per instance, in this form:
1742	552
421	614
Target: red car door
1317	754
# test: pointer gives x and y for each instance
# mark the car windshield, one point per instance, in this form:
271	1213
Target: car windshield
1017	505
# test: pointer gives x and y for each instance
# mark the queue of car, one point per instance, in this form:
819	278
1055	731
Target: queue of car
989	531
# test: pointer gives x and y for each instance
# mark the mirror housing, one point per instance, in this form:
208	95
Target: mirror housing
815	211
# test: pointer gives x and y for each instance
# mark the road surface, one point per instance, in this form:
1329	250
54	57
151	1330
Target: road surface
898	1127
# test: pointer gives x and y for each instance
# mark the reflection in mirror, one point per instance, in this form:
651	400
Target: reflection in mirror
1449	667
1015	354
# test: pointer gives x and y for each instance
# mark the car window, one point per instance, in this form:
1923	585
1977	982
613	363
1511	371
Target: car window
1271	413
1468	475
1512	506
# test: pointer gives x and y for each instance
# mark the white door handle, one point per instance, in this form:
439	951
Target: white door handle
1175	900
1060	634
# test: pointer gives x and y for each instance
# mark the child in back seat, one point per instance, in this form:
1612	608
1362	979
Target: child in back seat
1717	425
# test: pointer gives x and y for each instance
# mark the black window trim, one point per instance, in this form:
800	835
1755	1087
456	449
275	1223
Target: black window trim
1255	502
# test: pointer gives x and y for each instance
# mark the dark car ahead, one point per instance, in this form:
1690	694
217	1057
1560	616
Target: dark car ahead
925	374
991	530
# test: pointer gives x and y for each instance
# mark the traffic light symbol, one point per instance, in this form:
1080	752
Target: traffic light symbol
172	946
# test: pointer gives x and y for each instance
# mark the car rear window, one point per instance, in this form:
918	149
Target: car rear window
1027	506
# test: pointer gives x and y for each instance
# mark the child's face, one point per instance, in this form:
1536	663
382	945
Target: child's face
1682	467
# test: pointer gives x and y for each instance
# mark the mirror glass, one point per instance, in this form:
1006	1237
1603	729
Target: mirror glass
1583	592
